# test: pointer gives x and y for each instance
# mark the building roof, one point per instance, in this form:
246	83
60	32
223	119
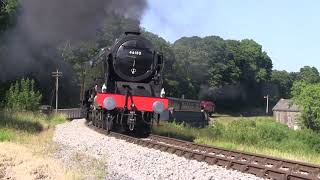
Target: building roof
286	105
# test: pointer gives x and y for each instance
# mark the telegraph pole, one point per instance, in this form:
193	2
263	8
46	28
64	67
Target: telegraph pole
82	85
267	106
57	74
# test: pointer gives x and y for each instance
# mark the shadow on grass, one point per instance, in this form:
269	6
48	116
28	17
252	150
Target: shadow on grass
179	136
26	124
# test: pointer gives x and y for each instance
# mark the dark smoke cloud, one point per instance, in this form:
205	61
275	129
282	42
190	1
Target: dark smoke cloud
50	21
44	24
225	93
30	48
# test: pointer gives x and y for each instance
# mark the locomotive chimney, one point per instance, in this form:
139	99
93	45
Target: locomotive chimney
133	30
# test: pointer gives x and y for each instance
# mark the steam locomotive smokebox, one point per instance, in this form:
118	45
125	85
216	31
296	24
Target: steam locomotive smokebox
134	58
190	118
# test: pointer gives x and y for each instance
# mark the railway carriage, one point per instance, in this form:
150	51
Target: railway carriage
194	113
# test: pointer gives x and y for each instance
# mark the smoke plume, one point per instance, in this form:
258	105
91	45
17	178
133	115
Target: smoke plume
50	21
43	24
30	47
225	93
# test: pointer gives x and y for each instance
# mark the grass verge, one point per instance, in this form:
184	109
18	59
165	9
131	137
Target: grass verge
260	135
27	137
16	126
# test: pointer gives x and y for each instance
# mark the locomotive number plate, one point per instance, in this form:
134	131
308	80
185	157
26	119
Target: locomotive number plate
139	53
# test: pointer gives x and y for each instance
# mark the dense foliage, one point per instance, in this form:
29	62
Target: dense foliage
281	84
228	71
282	81
309	75
8	10
23	96
307	96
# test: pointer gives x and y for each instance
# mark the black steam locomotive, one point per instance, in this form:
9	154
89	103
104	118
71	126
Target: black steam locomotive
125	93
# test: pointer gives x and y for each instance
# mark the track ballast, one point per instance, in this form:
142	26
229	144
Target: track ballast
259	165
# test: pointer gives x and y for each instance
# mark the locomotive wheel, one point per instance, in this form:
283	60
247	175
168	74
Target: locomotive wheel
93	117
206	119
100	119
107	124
88	116
142	129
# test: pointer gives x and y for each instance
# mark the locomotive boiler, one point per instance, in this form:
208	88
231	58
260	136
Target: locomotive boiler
127	81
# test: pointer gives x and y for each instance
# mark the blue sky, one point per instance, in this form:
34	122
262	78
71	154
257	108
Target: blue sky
288	30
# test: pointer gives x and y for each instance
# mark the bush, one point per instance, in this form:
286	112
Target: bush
307	96
242	131
213	132
272	132
22	96
312	139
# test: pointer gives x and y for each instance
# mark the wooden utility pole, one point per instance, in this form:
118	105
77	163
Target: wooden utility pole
267	106
82	85
57	74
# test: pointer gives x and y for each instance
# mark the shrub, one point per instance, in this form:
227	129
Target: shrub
307	96
312	139
213	132
23	96
272	132
242	131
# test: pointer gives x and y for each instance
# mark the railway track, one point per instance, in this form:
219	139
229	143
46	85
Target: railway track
259	165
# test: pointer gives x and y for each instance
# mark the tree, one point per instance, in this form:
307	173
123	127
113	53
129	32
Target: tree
228	71
8	10
309	75
171	83
283	82
23	96
307	96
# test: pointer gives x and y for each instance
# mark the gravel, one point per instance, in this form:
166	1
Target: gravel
123	160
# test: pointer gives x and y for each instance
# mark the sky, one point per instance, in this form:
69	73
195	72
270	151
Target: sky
288	30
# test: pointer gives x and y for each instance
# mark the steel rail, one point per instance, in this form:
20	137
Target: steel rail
259	165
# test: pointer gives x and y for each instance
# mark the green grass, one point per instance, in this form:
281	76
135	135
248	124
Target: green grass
13	125
260	135
31	134
6	134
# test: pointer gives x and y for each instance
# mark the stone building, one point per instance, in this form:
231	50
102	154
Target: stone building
287	113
